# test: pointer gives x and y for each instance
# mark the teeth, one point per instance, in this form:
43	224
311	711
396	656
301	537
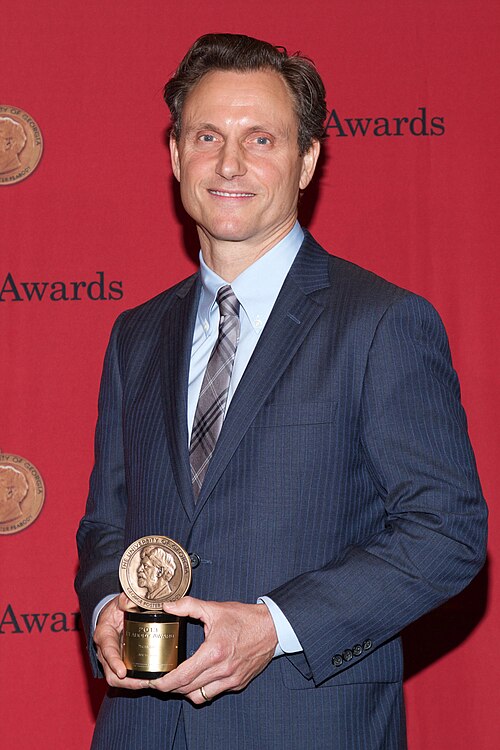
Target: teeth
231	195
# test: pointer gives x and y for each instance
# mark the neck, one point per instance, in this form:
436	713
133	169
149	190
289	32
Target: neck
228	259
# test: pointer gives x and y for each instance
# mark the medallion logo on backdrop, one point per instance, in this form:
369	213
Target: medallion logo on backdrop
421	124
13	289
22	493
21	145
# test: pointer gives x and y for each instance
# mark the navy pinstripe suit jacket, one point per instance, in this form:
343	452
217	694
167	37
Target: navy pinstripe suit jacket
343	485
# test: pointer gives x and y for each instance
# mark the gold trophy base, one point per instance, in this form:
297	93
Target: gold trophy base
153	643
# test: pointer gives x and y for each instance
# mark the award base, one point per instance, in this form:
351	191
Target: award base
153	643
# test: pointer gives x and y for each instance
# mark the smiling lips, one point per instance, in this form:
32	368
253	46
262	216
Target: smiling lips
226	194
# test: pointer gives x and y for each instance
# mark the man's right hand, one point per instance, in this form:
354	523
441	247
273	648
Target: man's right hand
107	639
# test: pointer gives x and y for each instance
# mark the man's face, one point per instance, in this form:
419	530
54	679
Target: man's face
147	574
237	158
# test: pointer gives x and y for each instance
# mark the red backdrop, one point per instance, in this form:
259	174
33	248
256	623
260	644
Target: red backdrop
419	208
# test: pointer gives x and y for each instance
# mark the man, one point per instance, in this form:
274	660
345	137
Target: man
155	571
341	486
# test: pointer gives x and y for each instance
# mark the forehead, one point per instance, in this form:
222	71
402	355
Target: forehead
228	96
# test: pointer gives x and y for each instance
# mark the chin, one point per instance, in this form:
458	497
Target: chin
231	233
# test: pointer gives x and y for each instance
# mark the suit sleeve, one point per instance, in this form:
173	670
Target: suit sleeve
413	438
100	536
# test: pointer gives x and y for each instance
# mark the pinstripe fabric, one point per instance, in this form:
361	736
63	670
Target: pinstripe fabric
342	484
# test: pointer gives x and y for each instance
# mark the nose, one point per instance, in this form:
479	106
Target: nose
231	162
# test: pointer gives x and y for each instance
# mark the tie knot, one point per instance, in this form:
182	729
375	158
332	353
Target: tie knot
227	301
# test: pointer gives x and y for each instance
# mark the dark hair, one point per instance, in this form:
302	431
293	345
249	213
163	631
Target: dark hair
244	53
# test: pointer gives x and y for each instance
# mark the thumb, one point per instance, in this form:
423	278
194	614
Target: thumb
188	606
126	604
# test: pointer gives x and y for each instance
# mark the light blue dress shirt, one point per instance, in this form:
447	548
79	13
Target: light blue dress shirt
256	289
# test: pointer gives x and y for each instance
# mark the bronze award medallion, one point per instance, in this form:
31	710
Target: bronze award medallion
22	493
21	145
153	570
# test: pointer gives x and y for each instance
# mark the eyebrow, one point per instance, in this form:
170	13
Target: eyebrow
285	131
201	126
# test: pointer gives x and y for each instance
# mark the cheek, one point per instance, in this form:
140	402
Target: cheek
188	194
280	178
195	166
193	174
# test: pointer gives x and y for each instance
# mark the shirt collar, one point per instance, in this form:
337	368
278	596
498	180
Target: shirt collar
256	288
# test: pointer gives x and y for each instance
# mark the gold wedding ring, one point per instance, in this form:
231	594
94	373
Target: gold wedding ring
204	695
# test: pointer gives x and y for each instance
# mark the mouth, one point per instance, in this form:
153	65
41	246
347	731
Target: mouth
230	194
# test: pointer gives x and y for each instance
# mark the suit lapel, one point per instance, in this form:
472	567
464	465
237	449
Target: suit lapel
293	315
177	335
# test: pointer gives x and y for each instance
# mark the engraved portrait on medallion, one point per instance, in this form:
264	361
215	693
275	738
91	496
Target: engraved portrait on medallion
22	493
21	145
153	570
156	569
12	141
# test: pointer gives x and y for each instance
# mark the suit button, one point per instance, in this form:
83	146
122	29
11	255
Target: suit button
367	644
347	654
337	660
357	650
195	559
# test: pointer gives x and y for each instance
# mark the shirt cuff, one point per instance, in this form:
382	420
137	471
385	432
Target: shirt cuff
288	643
99	608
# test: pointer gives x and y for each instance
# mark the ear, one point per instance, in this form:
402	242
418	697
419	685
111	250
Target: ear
309	161
174	157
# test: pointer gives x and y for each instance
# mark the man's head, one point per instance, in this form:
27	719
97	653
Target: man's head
247	125
156	568
236	52
13	489
12	142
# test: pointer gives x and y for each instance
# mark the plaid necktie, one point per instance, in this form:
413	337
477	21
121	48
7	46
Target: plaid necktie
211	405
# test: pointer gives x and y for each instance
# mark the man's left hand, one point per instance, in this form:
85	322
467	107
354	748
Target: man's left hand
240	640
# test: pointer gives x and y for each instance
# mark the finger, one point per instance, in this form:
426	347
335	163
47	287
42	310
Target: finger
188	606
198	696
126	604
128	683
189	675
119	679
203	669
211	691
111	655
107	639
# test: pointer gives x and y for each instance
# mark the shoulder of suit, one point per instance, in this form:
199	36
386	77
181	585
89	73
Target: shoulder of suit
137	332
354	283
151	312
362	295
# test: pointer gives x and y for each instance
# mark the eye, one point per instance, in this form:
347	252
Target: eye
207	138
262	140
